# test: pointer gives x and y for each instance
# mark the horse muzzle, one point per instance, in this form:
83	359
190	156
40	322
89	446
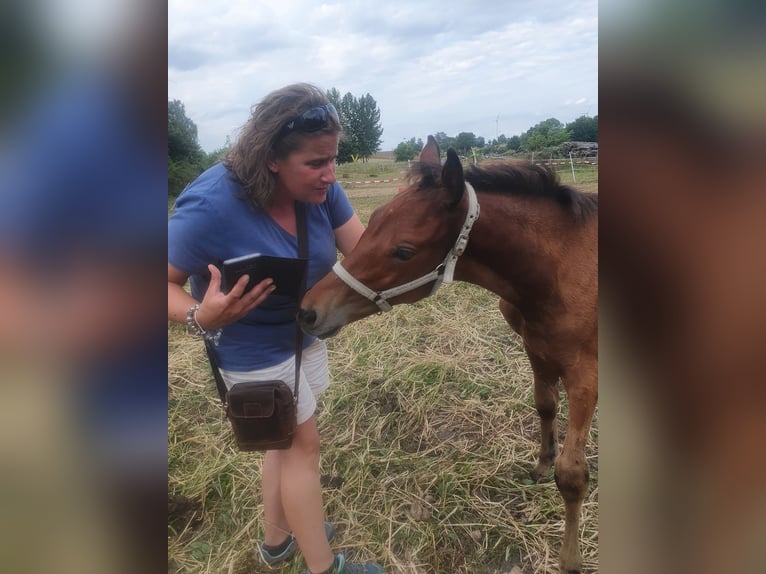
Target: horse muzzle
308	321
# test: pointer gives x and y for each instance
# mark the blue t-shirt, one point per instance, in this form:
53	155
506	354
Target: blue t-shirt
213	222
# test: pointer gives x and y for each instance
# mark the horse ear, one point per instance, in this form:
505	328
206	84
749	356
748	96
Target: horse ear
452	176
430	153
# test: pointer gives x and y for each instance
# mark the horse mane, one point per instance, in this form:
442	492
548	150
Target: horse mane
516	177
519	177
425	175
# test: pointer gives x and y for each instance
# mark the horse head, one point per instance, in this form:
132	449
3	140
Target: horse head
405	239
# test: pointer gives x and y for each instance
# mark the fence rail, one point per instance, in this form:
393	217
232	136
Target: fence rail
566	162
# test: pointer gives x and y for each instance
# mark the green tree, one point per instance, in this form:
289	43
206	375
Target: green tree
584	129
548	133
360	119
334	96
344	105
408	149
217	155
368	126
186	160
182	134
464	142
445	142
180	174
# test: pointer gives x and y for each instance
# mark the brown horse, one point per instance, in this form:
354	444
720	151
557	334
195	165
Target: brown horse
534	244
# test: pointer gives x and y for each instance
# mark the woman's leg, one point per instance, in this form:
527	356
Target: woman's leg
275	526
291	491
302	496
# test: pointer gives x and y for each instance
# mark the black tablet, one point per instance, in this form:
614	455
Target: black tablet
287	273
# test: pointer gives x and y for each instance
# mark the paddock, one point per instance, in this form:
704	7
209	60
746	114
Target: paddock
429	432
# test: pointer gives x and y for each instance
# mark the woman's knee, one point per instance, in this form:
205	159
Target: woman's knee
306	439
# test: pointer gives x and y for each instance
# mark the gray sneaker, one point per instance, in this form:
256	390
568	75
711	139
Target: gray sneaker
340	566
278	560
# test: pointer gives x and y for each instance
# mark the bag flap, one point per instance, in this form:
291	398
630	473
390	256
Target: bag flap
254	400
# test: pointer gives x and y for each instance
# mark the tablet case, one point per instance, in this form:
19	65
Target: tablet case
287	273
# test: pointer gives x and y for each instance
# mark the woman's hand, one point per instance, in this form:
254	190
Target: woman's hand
218	309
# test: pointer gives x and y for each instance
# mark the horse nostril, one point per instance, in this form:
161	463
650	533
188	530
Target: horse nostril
307	317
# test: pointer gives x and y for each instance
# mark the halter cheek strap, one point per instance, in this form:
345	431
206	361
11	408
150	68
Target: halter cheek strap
444	273
450	262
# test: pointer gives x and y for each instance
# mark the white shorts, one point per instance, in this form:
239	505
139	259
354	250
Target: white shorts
315	377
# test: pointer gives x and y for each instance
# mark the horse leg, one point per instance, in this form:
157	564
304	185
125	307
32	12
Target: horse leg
546	401
571	469
546	395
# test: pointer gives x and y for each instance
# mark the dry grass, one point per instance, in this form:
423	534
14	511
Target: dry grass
429	432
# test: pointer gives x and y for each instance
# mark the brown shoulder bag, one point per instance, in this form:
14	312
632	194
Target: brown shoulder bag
263	414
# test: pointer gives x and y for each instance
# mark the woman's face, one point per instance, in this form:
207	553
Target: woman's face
306	174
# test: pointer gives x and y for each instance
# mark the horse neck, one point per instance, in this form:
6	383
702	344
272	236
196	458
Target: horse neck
514	246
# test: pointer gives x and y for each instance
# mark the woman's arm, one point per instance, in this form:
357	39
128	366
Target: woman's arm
216	308
348	234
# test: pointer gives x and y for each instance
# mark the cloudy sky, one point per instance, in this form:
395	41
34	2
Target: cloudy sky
489	68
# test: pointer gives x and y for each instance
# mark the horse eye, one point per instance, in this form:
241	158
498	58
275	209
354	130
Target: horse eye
403	253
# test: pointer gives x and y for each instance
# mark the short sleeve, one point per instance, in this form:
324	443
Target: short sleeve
192	233
339	206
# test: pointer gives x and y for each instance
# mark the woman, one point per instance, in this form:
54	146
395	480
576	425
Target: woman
285	154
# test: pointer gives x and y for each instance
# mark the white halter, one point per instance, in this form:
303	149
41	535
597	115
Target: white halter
444	273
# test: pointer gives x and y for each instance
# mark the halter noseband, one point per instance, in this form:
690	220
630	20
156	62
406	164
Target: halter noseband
444	273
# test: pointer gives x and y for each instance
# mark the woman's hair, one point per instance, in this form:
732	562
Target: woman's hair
262	138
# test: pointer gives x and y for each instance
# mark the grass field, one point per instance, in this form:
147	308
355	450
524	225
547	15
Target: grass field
429	431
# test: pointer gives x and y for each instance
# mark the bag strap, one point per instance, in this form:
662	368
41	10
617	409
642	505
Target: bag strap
219	383
303	253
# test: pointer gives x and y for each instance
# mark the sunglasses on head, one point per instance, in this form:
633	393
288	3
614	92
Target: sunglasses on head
312	120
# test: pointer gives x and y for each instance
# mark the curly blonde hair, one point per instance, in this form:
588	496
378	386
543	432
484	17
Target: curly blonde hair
260	139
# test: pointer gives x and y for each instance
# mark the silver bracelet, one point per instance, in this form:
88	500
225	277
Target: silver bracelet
196	329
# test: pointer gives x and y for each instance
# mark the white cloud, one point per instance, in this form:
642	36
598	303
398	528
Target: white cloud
429	66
